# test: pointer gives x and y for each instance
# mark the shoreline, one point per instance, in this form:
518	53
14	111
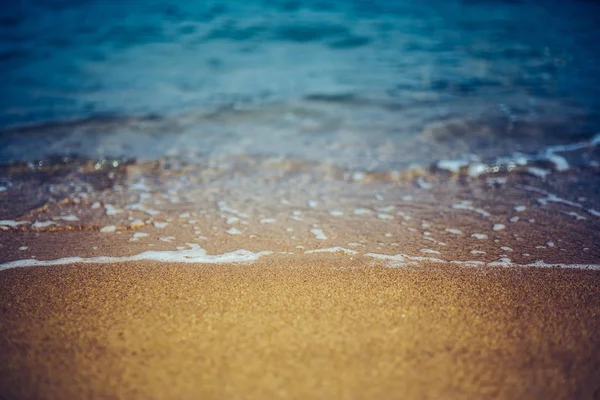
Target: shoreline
285	328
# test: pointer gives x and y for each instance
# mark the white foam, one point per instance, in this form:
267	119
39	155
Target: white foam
560	163
222	205
477	169
520	208
160	225
318	234
499	227
403	260
505	248
385	216
3	189
233	231
336	213
67	218
42	224
479	236
477	252
12	223
358	176
552	198
361	211
429	251
467	205
111	210
453	166
578	217
539	172
139	235
268	221
108	229
231	220
142	208
139	186
514	219
195	255
332	250
454	231
312	204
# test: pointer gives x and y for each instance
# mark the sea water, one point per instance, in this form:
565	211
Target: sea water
367	83
406	131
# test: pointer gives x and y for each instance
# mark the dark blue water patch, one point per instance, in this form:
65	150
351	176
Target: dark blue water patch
307	32
350	42
230	31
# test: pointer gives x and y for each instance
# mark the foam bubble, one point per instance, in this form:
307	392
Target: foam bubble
318	234
112	210
361	211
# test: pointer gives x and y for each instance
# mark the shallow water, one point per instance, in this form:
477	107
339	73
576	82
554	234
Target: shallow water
456	131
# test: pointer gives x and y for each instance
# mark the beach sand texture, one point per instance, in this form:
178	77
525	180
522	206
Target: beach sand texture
285	328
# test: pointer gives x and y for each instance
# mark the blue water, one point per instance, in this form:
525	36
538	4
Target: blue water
296	78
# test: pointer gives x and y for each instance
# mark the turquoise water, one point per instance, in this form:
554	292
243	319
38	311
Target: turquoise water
364	83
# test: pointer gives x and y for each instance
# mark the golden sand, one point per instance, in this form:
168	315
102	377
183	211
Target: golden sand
284	329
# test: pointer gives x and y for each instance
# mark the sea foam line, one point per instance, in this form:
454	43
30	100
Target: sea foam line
195	255
403	260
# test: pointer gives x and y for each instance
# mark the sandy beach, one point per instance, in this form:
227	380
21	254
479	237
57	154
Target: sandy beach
273	279
299	200
285	328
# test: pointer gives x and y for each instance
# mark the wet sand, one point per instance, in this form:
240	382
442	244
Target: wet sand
286	327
